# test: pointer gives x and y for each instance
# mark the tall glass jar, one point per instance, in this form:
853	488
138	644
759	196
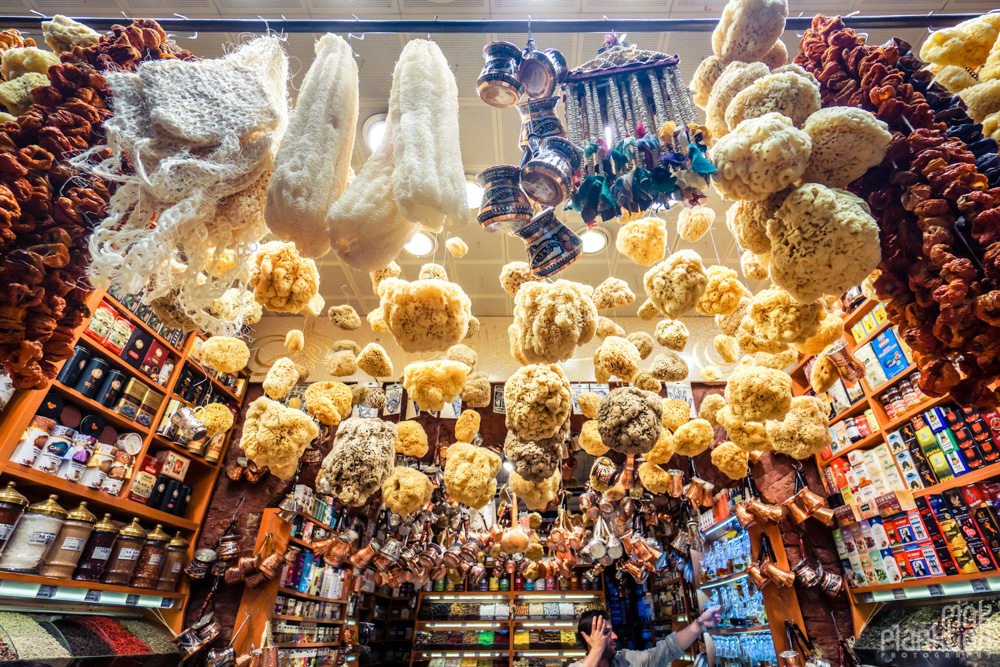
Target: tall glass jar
125	554
147	572
173	564
12	506
98	550
34	533
65	552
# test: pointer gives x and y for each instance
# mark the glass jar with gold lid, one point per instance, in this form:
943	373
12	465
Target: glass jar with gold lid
125	554
173	564
98	550
35	532
12	506
147	572
65	552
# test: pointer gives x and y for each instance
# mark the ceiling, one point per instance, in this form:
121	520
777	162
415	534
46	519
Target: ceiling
488	135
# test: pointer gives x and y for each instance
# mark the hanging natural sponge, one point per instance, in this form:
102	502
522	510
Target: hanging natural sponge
787	93
280	378
776	316
748	28
344	317
275	436
708	72
315	306
726	347
515	274
710	406
463	354
425	315
361	459
62	34
761	156
755	266
431	384
778	361
630	420
374	361
664	448
694	222
755	393
734	78
722	292
329	402
846	142
536	460
470	474
411	439
710	373
823	374
467	425
676	412
342	363
731	461
647	311
644	241
618	357
967	44
747	220
653	478
346	345
608	327
390	270
669	367
216	417
590	439
751	341
281	280
433	272
538	400
535	495
225	354
646	382
831	328
588	403
748	436
476	393
457	247
675	284
376	322
693	437
313	161
672	334
643	343
613	293
823	241
551	320
406	491
805	430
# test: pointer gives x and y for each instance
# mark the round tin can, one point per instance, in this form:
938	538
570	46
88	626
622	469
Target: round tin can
92	377
111	388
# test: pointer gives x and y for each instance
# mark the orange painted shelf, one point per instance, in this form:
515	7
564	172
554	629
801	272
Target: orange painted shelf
860	444
306	619
306	596
119	363
42	484
896	378
859	407
926	581
969	478
919	408
218	385
315	521
91	585
160	441
306	644
105	413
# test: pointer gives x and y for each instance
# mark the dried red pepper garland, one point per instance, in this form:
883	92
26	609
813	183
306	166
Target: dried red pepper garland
47	211
936	270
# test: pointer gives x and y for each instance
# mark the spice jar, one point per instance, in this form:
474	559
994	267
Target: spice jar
34	533
125	554
31	442
147	572
173	564
97	550
12	506
62	557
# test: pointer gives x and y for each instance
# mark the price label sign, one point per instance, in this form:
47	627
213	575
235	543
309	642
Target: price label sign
92	596
166	603
935	590
46	592
131	600
899	593
980	586
866	597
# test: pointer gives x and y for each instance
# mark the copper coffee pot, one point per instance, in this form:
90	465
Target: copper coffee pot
743	515
757	576
764	511
795	510
810	501
824	515
675	483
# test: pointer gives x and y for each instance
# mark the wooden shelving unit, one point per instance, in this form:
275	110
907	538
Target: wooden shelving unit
36	485
863	599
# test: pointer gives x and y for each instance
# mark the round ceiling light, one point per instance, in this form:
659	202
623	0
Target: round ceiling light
420	245
594	240
373	130
474	194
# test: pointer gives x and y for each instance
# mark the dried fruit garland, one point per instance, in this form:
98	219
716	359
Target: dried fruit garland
936	276
47	212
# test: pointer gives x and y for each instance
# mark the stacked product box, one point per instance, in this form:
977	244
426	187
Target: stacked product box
312	576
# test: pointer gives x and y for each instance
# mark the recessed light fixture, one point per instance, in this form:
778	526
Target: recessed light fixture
508	466
594	240
373	130
474	194
420	245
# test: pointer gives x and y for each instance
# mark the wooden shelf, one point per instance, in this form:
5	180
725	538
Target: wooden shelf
107	414
42	484
315	521
122	365
860	444
91	585
307	619
868	337
306	596
970	477
306	644
162	442
131	317
855	315
919	408
214	382
926	581
857	408
896	378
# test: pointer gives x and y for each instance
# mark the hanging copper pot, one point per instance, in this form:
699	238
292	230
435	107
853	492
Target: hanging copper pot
498	84
271	564
756	576
795	510
848	366
791	659
824	514
693	492
363	558
805	575
576	538
831	584
638	573
248	564
707	492
675	484
541	71
452	556
438	572
233	575
254	579
780	576
765	511
743	515
469	552
476	574
432	555
810	501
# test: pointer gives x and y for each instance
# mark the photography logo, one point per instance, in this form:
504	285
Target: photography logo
964	632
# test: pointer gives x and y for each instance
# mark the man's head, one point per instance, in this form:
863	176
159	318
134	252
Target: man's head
585	626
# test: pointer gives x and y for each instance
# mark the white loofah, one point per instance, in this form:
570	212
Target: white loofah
312	165
197	135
